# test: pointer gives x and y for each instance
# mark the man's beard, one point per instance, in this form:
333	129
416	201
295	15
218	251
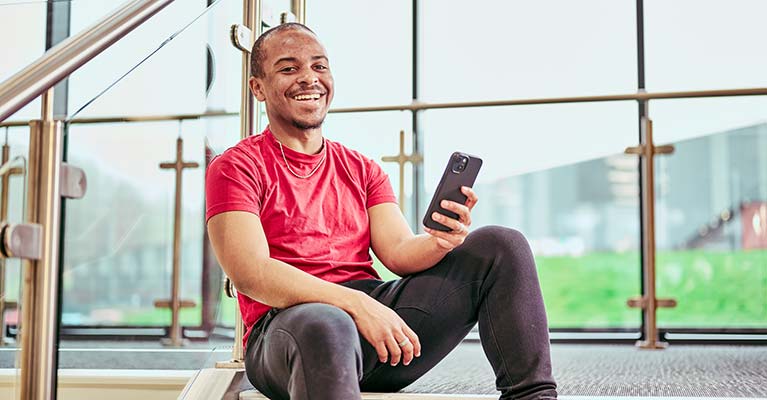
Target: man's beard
306	125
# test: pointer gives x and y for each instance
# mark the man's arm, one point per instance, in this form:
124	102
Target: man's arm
240	245
404	253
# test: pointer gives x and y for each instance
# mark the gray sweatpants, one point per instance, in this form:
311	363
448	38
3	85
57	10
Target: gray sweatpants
313	351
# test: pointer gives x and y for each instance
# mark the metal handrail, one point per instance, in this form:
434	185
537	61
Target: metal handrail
69	55
138	118
641	95
427	106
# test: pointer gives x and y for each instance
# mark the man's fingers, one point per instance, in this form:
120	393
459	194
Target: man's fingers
383	353
395	352
464	213
413	340
451	223
407	349
471	197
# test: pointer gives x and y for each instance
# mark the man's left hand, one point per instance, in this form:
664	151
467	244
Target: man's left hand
459	227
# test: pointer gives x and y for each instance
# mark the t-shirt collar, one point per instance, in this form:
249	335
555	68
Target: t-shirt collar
292	155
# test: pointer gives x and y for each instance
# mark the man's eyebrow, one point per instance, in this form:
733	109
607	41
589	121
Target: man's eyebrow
294	59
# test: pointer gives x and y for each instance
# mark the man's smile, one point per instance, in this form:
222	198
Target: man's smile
309	96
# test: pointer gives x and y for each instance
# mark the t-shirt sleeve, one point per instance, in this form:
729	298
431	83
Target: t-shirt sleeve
232	184
379	188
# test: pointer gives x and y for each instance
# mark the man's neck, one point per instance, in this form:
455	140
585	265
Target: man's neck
307	141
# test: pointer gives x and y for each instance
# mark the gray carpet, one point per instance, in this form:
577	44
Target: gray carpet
619	370
581	370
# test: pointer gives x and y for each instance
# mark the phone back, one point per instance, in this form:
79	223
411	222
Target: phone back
449	187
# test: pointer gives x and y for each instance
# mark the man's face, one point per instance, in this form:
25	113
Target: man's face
297	85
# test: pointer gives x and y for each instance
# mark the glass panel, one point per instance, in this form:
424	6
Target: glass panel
118	259
118	245
556	173
224	77
172	81
22	29
486	50
711	221
12	210
372	66
694	45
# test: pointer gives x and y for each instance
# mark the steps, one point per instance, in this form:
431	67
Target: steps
254	395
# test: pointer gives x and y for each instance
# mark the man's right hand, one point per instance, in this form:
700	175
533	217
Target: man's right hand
384	330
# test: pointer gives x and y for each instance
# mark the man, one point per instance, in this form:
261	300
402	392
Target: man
292	217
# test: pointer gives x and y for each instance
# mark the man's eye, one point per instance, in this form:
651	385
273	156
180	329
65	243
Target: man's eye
288	69
320	67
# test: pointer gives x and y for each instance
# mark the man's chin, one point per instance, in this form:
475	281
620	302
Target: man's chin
307	125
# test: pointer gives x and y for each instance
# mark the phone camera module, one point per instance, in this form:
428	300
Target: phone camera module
459	164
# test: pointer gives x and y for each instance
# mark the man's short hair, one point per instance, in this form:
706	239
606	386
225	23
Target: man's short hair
257	53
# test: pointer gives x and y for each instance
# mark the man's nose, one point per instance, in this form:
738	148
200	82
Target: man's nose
308	77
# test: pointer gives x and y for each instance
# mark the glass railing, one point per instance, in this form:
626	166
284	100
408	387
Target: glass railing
118	240
556	173
712	212
13	183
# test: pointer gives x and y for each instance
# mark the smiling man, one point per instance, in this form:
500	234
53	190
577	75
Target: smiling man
292	218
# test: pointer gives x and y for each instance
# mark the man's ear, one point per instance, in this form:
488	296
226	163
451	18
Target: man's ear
256	87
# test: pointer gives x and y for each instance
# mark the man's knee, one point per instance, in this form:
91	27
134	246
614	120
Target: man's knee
494	240
499	235
318	324
501	248
310	348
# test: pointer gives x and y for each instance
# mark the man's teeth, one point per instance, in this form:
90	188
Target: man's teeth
314	96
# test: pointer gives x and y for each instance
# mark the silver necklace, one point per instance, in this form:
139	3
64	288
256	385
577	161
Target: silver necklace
316	167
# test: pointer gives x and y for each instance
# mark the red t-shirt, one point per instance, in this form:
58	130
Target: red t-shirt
319	224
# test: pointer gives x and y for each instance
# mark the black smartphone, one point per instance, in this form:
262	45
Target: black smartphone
461	170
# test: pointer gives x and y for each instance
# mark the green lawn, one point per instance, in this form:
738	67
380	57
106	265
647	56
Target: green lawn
713	289
161	317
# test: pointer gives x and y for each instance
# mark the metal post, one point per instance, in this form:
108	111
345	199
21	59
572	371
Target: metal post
648	250
175	303
239	331
418	139
252	21
401	159
648	301
57	31
251	15
298	8
39	322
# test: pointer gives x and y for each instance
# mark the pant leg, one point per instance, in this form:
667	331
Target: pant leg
492	279
306	350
